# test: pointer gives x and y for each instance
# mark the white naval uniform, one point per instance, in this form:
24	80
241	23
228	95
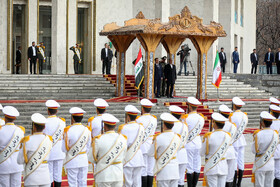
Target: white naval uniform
239	145
276	126
169	175
40	176
133	169
10	170
2	122
77	168
263	176
55	161
230	155
146	119
112	175
95	123
216	176
182	155
193	147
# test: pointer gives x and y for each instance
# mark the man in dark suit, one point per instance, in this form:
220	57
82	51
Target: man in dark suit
18	59
223	59
170	78
268	60
76	57
254	61
277	60
157	77
32	57
235	60
106	58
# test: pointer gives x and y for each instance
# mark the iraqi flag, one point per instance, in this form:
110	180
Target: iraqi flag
217	73
139	70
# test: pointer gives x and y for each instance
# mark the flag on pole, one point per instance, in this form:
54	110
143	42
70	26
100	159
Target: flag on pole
139	70
217	73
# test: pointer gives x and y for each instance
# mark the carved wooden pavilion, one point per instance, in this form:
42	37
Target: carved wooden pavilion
151	32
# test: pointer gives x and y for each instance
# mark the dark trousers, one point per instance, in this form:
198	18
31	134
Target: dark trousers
235	66
41	66
106	65
223	66
184	63
169	89
163	87
157	84
278	67
33	62
268	67
254	67
17	67
76	66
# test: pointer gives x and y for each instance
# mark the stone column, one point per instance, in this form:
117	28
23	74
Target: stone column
58	37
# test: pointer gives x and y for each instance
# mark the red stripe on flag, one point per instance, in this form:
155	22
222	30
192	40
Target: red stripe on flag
139	56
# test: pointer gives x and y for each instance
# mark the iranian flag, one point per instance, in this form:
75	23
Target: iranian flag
217	73
139	70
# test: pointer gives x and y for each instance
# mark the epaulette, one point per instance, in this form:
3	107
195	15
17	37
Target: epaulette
89	128
184	116
256	132
25	139
124	136
63	119
201	115
155	135
141	124
228	133
276	131
66	129
207	134
120	128
234	124
91	118
154	116
22	128
50	137
246	113
97	137
138	117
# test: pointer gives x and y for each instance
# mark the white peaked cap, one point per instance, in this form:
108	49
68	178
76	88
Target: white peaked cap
225	109
147	103
218	117
176	109
76	110
109	118
131	109
38	118
168	117
10	111
274	108
1	107
267	116
273	100
193	101
100	103
237	101
52	104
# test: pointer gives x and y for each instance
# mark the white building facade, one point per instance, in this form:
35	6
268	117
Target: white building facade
61	24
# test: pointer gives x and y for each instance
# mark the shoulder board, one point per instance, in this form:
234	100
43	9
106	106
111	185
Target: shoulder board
228	133
155	135
201	115
256	132
124	136
22	128
50	138
154	116
91	118
89	128
120	128
206	135
138	117
25	139
184	116
234	124
246	113
141	124
66	129
63	119
276	131
97	137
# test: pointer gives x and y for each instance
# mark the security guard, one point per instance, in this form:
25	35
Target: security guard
10	137
76	143
108	153
165	147
241	120
34	154
195	123
2	121
150	124
181	129
214	147
232	129
54	127
134	161
275	111
95	122
264	146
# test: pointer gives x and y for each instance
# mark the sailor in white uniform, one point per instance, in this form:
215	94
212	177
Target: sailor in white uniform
239	118
215	145
150	123
275	111
263	147
34	154
274	101
179	128
76	144
95	122
10	170
163	149
54	127
134	161
195	123
2	121
108	153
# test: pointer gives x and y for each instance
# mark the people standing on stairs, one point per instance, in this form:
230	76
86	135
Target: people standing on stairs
277	61
41	56
106	58
235	59
195	123
184	58
10	138
163	64
34	154
170	78
150	124
76	144
133	162
158	77
18	59
54	127
180	128
265	144
275	112
76	57
32	57
214	148
254	61
268	60
223	59
241	120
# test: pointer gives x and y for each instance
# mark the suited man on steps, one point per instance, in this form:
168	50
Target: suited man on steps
268	60
254	61
32	57
223	59
170	78
18	59
106	58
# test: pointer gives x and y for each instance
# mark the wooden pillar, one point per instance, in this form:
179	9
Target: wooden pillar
149	43
171	45
121	43
202	45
